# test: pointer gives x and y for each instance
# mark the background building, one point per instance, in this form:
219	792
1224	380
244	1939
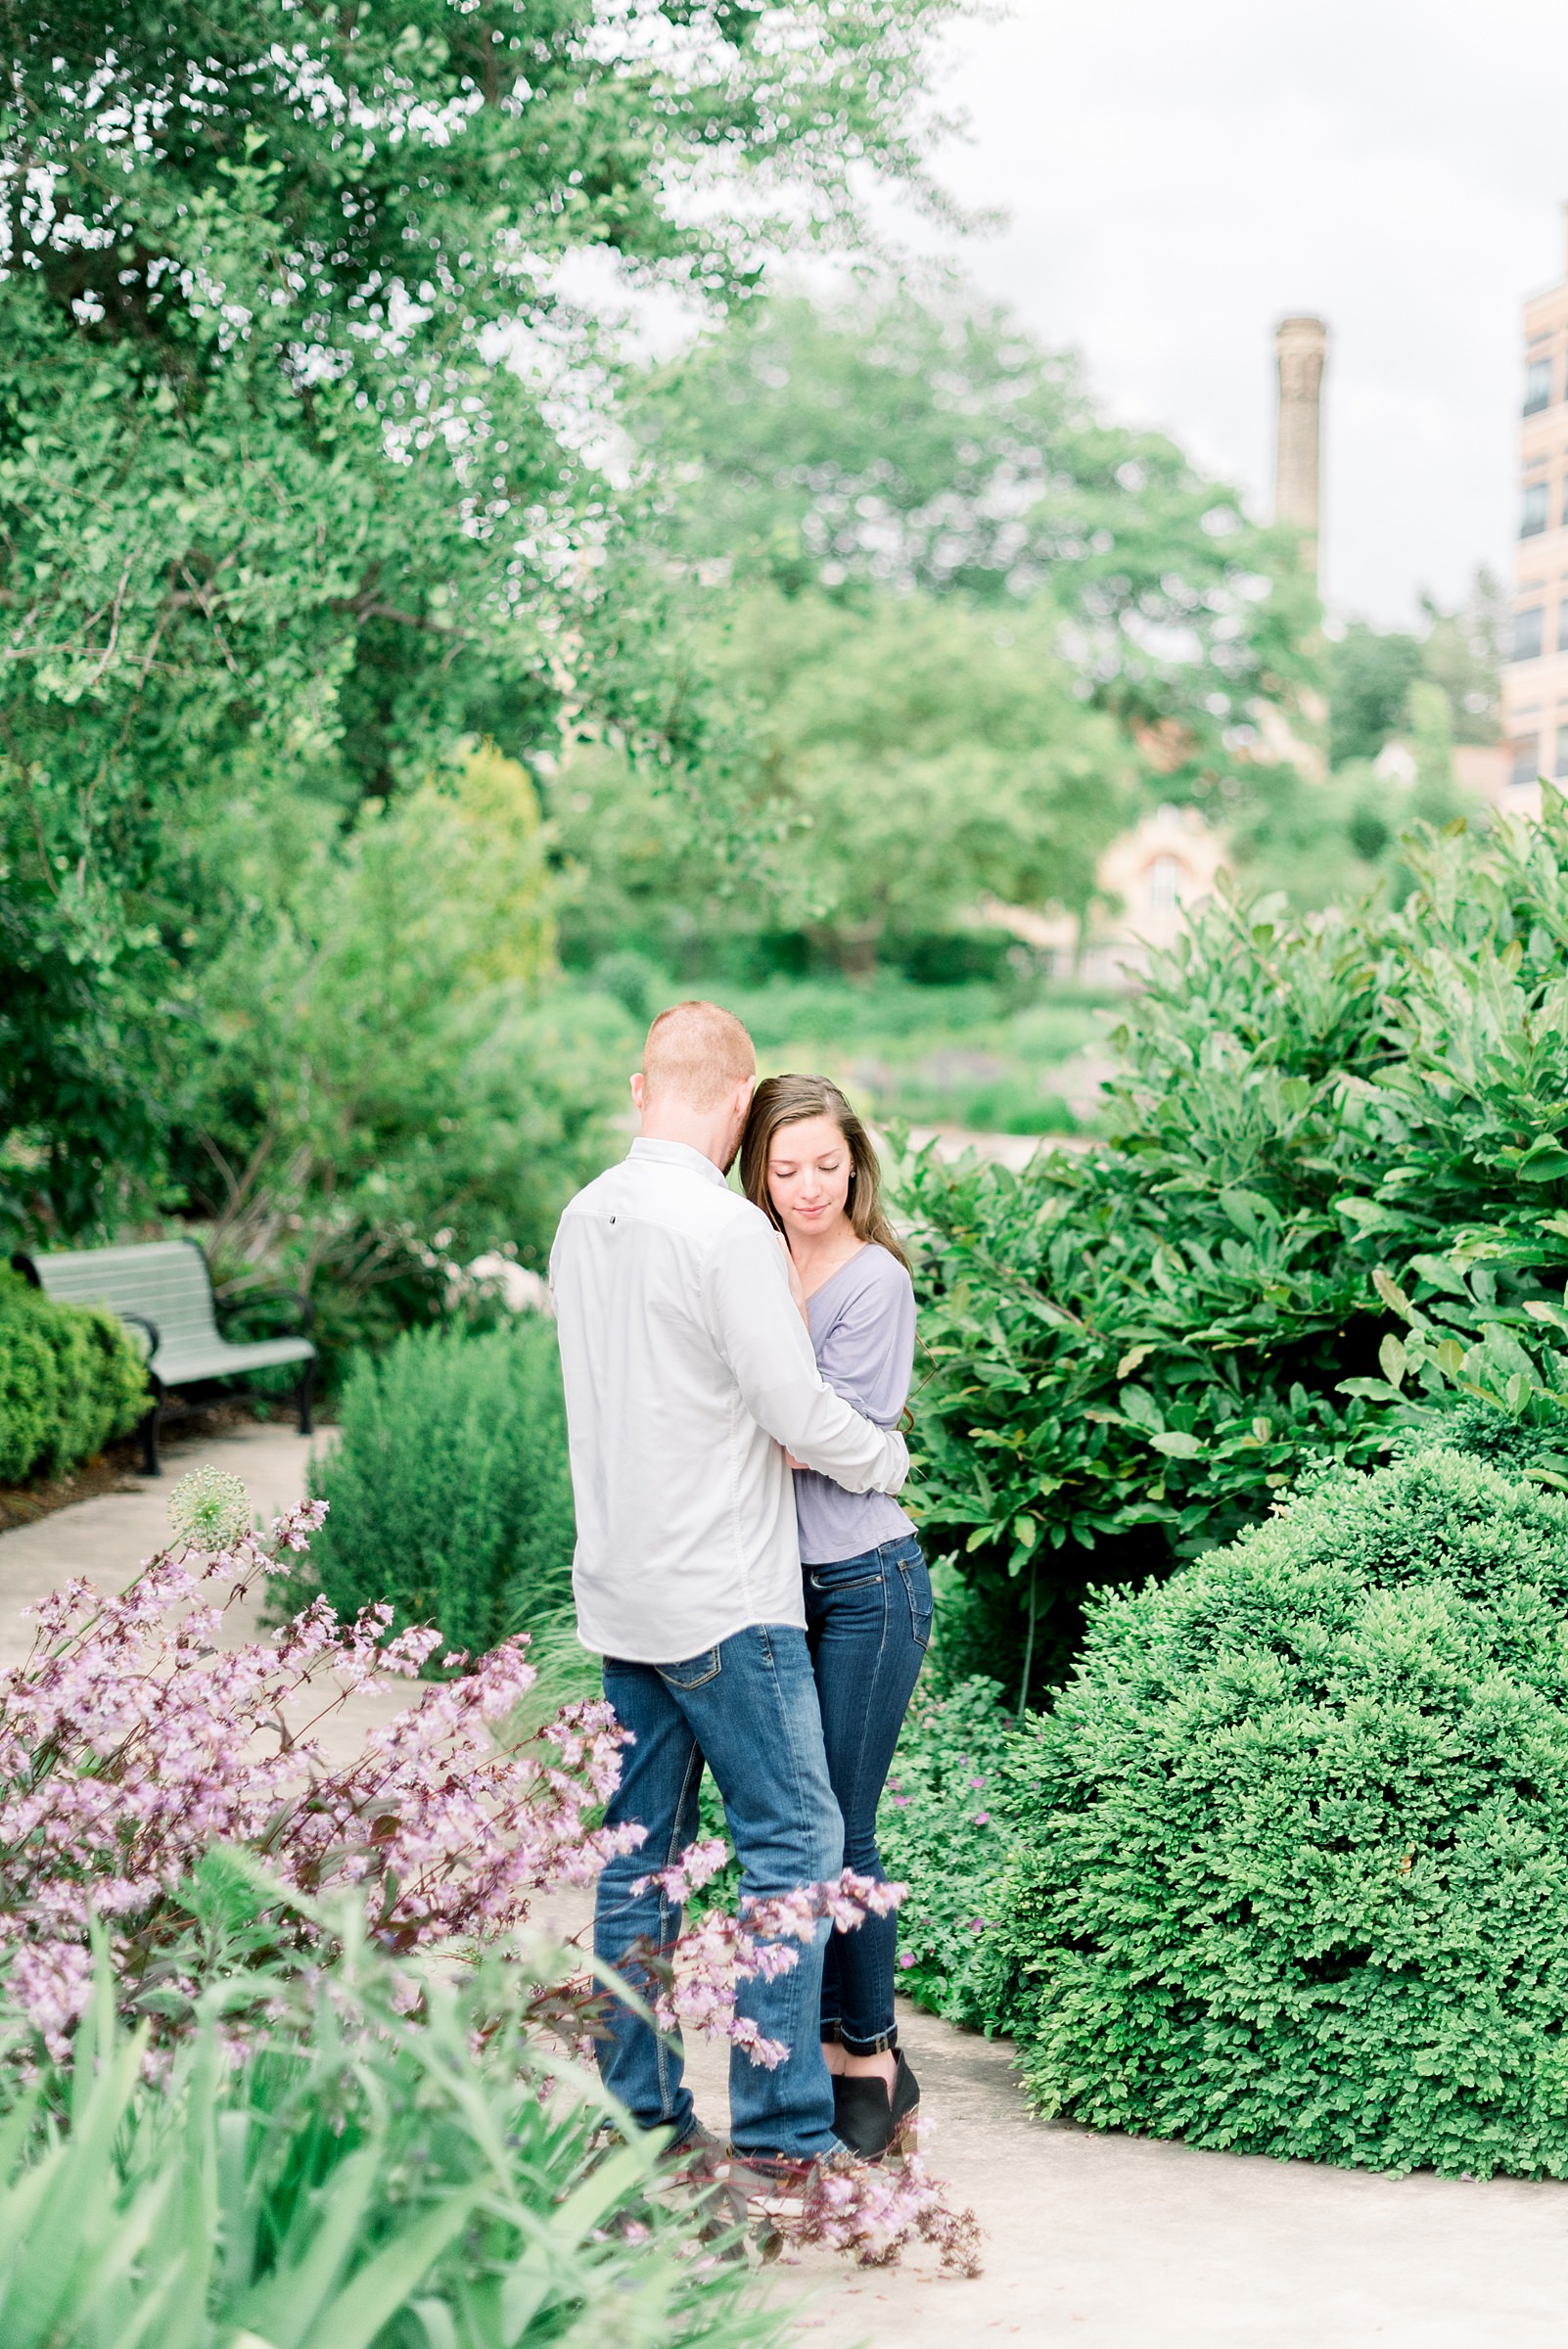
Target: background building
1301	346
1535	685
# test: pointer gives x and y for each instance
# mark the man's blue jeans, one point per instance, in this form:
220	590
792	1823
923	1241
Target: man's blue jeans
748	1708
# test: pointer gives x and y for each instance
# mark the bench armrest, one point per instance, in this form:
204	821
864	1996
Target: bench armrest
139	1321
278	1294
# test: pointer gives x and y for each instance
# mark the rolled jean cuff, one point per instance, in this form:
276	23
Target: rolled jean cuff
880	2045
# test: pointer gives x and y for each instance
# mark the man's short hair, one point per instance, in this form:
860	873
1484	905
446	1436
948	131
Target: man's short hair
695	1053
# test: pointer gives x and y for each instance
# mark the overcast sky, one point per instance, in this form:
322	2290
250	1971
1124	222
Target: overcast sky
1179	174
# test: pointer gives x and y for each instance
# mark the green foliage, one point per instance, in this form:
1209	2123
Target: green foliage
1333	1197
1287	1870
1371	672
271	505
1325	842
919	757
996	1057
1463	655
384	1086
899	444
893	764
377	2181
1375	675
940	1831
1318	842
1136	1348
70	1381
449	1493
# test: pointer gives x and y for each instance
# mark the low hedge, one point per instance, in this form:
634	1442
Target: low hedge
1287	1866
70	1381
449	1491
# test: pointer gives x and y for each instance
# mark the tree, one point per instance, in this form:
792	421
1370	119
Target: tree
1371	672
1463	654
892	761
895	444
266	493
928	752
375	1092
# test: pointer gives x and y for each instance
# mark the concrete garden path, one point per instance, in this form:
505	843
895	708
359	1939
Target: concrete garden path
1095	2242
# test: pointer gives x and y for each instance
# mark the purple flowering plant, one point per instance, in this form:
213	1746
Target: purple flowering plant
167	1795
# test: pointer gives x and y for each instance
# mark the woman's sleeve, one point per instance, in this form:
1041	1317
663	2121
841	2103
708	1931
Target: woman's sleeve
867	1356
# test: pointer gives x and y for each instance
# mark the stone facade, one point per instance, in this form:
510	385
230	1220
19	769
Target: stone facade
1301	346
1534	682
1151	877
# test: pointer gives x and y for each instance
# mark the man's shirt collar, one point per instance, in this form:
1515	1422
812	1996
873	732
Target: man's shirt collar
675	1154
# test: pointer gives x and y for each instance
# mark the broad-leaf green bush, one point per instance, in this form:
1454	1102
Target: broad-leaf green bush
1335	1197
449	1491
70	1381
1288	1860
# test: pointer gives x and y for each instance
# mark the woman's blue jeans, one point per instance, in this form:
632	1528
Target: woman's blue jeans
869	1621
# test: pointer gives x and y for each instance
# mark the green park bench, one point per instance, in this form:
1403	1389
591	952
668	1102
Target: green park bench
163	1288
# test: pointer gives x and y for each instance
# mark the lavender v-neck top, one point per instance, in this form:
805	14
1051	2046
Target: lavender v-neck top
863	1331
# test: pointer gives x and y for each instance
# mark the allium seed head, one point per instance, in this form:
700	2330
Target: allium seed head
209	1510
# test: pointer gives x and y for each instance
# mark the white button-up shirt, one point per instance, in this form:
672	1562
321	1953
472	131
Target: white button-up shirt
688	1374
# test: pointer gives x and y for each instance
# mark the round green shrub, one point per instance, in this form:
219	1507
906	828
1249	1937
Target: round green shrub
70	1381
449	1490
1289	1871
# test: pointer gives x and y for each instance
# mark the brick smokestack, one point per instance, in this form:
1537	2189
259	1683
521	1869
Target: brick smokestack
1300	346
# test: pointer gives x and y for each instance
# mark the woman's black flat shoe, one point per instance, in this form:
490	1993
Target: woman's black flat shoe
905	2111
870	2121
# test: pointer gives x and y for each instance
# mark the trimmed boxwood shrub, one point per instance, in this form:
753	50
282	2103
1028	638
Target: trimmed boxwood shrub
449	1491
70	1381
1289	1868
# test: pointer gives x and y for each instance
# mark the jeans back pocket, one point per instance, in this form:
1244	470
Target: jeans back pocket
917	1589
694	1671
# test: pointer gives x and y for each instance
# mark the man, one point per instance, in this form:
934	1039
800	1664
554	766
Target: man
689	1376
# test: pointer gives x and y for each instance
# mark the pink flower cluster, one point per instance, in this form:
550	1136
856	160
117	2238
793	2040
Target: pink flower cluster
714	1957
874	2211
131	1742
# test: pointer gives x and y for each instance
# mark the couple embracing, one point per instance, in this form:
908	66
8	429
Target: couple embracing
735	1369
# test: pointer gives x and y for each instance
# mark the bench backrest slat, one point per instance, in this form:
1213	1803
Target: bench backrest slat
165	1280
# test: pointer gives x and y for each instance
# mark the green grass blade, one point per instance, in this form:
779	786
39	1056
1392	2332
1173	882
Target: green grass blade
377	2291
286	2306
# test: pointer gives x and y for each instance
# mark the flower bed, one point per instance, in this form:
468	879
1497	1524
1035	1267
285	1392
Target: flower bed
172	1830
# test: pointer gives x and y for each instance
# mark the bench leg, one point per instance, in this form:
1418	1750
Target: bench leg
149	1434
303	1393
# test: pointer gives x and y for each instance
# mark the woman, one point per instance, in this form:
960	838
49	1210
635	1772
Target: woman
808	1163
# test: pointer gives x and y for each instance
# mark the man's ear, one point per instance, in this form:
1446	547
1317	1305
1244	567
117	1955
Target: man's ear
636	1092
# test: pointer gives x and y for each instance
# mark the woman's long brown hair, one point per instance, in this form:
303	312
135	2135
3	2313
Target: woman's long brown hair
781	1102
